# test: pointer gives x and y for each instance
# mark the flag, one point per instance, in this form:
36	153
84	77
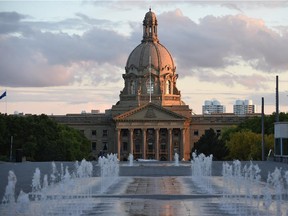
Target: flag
3	95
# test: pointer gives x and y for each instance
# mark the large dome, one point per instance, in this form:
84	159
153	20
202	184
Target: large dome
150	73
161	59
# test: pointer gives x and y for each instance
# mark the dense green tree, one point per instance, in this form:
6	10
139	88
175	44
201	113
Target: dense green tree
41	138
247	145
209	143
255	124
243	141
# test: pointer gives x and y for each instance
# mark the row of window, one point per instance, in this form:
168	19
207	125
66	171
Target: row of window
94	132
196	132
104	146
150	86
150	132
163	146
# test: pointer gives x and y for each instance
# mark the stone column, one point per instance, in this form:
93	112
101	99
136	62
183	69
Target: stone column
182	144
157	144
170	157
131	140
144	143
119	144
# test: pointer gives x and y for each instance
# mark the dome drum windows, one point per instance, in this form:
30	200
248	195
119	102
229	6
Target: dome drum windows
168	87
150	85
132	87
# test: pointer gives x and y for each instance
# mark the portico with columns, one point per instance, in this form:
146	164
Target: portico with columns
151	132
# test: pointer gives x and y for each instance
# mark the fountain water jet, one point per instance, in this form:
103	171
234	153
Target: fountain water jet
202	170
176	159
130	158
109	171
9	196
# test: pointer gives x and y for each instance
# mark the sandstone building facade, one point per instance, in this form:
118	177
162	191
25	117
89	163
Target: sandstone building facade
150	120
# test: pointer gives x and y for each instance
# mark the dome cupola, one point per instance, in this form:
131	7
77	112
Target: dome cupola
150	27
150	73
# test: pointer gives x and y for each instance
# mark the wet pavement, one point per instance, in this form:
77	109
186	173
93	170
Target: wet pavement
159	196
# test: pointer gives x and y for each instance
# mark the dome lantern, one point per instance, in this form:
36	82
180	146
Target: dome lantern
150	27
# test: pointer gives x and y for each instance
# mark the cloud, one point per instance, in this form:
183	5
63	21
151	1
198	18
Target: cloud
34	53
45	58
252	81
209	43
10	22
232	6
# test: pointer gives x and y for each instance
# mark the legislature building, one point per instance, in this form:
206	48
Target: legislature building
150	120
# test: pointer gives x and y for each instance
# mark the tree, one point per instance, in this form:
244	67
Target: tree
246	145
41	139
254	124
209	143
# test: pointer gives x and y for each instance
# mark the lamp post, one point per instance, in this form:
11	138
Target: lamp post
263	129
11	146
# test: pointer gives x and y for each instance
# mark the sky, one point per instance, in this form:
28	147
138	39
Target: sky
59	57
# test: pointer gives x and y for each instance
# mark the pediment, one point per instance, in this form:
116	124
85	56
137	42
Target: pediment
149	112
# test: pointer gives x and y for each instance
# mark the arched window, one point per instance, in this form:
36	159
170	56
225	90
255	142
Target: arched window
150	88
132	87
168	87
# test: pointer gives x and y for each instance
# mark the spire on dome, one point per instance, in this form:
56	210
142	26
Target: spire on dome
150	27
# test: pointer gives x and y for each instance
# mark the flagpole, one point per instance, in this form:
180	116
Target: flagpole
150	77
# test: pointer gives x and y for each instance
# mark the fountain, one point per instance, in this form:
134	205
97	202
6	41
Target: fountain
238	191
245	194
176	159
201	171
9	196
63	190
109	171
130	158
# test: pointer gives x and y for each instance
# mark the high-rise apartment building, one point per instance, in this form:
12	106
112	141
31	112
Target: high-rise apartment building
213	106
243	107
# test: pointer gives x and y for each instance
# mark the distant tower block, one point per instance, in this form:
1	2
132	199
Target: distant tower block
243	107
213	106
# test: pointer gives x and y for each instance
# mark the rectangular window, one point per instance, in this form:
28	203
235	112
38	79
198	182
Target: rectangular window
125	146
125	133
163	133
218	132
137	148
284	146
137	132
94	146
196	133
105	146
176	133
93	133
105	133
150	148
277	146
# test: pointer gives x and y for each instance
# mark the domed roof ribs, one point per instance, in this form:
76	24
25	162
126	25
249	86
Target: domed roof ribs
150	27
158	57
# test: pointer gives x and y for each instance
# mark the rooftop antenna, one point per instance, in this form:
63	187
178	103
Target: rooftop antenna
150	79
